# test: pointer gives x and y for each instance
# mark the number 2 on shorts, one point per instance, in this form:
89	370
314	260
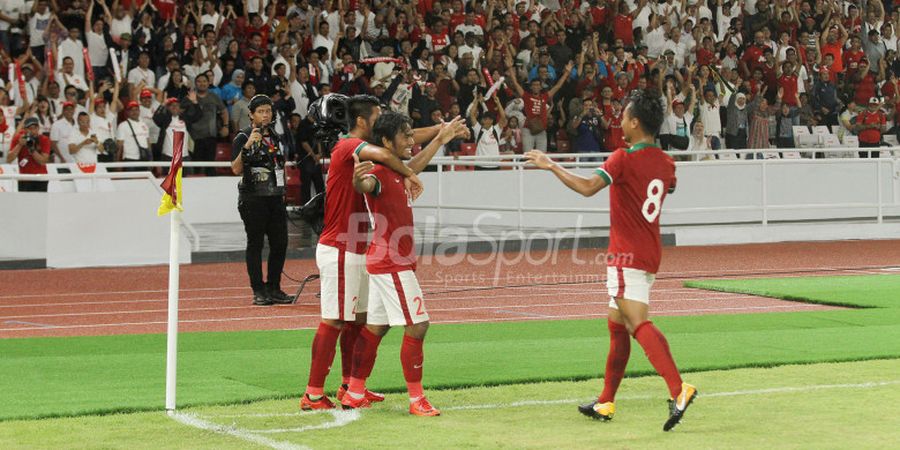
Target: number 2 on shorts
651	207
419	305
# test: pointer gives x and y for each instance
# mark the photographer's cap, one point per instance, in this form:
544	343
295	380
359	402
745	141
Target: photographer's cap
31	121
259	100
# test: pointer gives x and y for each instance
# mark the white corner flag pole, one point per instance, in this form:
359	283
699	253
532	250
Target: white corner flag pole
172	333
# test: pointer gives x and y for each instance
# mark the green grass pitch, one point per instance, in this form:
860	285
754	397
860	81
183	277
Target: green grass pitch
485	364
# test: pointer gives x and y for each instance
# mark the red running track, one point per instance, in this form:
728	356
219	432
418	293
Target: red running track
215	297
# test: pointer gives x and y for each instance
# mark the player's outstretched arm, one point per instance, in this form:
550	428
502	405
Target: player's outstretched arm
586	186
449	131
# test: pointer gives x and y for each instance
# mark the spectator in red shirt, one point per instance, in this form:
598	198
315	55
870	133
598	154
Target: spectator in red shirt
869	126
753	56
32	150
537	107
787	81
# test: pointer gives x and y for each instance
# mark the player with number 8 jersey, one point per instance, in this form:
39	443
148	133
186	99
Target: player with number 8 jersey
639	178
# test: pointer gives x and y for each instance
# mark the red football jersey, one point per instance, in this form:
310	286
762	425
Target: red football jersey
346	220
639	179
390	207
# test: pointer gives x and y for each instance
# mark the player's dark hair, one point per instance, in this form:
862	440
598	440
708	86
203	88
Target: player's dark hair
646	107
388	125
360	106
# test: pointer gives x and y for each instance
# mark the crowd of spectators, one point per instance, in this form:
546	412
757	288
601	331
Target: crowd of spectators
110	80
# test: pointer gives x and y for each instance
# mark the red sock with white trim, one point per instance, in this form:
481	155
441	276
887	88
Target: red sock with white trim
619	351
657	349
323	349
363	361
348	342
411	358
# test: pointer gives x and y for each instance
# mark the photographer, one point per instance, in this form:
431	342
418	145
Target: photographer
587	128
33	152
258	154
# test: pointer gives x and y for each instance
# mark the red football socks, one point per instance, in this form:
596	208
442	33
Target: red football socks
348	343
657	349
323	349
411	358
619	351
363	360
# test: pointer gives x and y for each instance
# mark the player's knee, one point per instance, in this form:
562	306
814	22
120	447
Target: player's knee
418	330
333	323
378	330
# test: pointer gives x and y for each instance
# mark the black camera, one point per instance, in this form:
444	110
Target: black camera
330	113
30	142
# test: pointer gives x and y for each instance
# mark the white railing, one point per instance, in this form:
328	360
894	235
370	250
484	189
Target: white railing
153	181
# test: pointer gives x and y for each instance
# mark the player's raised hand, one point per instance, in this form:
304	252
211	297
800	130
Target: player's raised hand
453	129
538	159
360	169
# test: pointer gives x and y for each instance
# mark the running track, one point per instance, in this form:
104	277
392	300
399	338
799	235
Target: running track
214	297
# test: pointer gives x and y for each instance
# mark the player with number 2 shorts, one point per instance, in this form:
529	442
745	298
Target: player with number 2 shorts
639	179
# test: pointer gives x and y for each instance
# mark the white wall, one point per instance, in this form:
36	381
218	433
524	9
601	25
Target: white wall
88	228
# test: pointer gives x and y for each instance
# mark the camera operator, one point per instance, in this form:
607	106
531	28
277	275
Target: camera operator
33	152
258	154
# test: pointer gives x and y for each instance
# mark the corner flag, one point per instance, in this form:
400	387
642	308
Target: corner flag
172	199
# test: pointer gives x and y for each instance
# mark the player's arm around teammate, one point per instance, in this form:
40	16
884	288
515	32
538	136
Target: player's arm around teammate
396	299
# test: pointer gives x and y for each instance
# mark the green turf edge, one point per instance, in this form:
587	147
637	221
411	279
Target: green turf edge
714	286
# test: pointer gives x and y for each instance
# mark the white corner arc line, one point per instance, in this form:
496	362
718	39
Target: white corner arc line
192	420
341	418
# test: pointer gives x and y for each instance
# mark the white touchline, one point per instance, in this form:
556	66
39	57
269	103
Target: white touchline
700	396
196	422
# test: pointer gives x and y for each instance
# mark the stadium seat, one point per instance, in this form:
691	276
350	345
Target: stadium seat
466	149
223	154
292	185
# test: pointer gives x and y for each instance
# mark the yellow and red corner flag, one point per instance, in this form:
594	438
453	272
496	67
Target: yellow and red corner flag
172	198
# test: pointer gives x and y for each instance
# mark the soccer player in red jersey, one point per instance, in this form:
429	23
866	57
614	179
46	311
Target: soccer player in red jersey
396	298
639	178
340	255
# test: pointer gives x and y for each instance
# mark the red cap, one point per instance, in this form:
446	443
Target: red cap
99	101
131	104
68	104
677	103
146	93
171	100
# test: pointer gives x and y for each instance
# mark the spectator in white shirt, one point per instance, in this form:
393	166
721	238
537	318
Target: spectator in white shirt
148	107
132	135
469	26
709	115
71	47
68	77
10	11
61	130
210	16
141	75
83	143
473	48
98	49
32	86
39	21
120	23
486	131
322	38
